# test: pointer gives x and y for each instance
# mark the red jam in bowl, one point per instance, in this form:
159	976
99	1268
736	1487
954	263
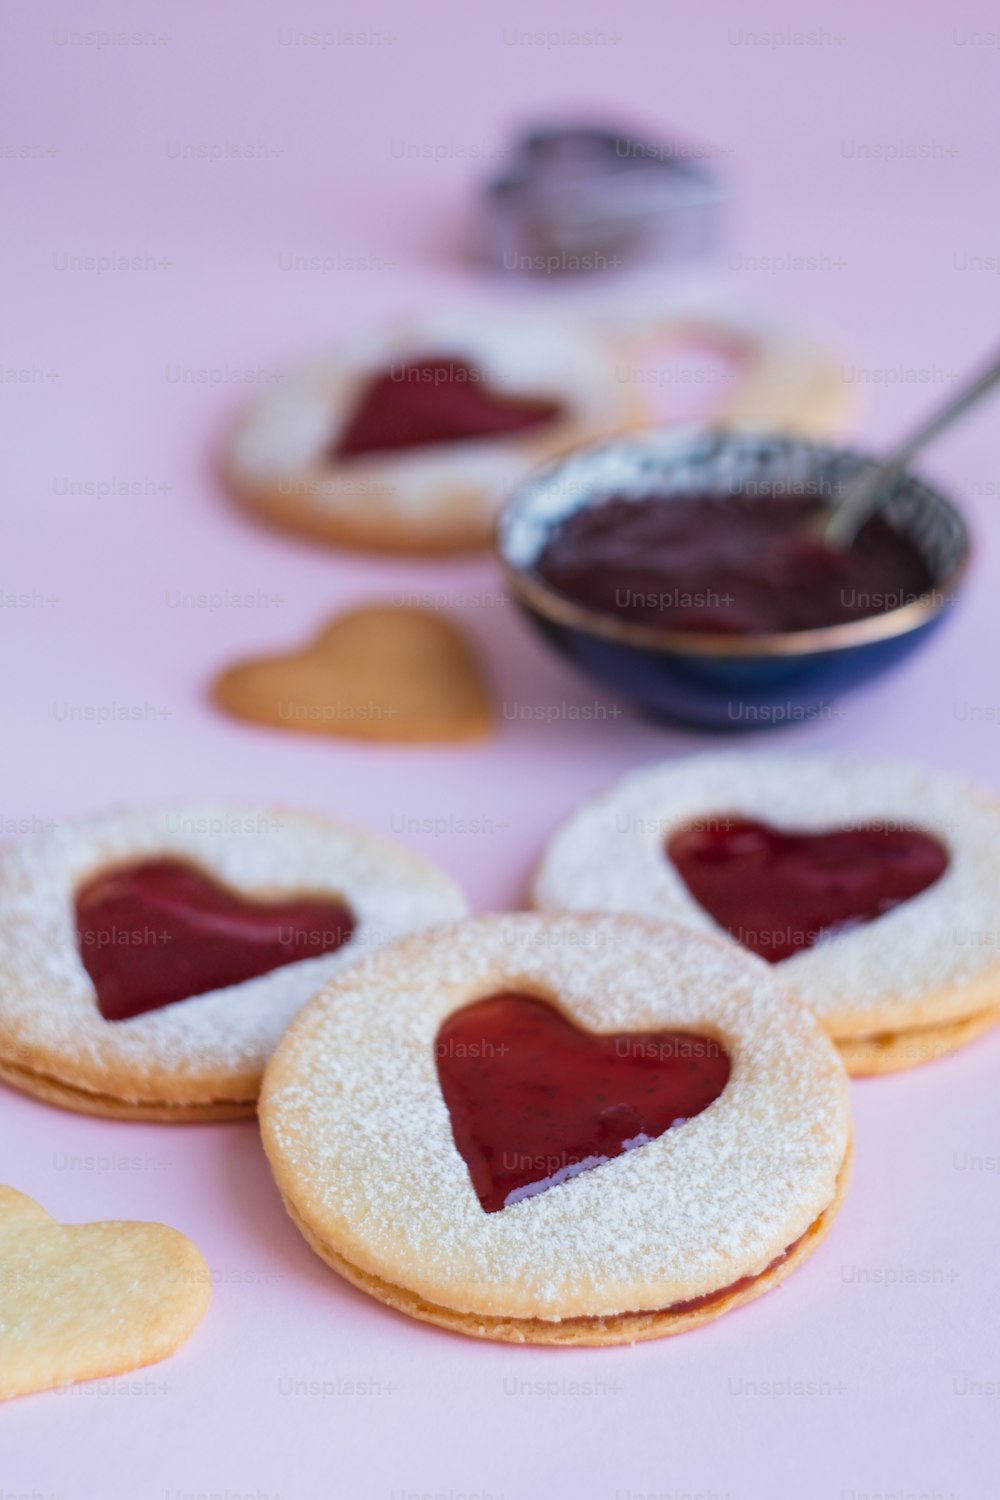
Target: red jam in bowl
727	563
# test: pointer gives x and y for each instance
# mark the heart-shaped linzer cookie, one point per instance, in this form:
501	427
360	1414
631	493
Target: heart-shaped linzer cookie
86	1301
381	673
155	933
435	400
534	1100
778	892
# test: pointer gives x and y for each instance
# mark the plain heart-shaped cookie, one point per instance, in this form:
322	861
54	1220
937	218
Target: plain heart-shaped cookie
778	892
435	400
535	1100
379	673
87	1301
190	934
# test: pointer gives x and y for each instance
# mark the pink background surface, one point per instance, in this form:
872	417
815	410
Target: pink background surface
876	1346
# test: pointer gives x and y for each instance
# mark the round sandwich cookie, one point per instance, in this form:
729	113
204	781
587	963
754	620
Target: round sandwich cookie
150	959
568	1129
870	887
744	371
407	440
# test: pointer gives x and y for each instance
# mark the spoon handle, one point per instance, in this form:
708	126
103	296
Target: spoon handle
863	498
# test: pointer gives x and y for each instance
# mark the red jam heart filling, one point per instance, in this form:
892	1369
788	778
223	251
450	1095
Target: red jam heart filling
779	892
435	401
534	1100
155	933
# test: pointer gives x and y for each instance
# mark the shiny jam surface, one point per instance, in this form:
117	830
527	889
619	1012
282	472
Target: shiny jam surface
778	892
692	1304
729	563
435	400
154	933
534	1100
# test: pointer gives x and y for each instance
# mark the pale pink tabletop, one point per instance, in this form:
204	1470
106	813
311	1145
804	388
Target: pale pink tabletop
868	1373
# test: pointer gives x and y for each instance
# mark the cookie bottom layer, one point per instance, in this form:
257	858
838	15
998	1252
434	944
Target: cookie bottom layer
588	1332
83	1102
371	529
892	1051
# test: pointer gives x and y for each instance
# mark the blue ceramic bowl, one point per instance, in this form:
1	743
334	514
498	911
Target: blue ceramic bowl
723	681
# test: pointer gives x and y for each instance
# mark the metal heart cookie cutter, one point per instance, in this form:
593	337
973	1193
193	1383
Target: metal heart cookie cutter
578	197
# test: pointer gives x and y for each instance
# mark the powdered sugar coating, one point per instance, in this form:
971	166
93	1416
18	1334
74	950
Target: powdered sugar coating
213	1045
286	436
359	1136
931	958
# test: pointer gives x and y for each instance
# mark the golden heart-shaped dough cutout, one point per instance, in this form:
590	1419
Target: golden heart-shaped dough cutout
86	1301
375	674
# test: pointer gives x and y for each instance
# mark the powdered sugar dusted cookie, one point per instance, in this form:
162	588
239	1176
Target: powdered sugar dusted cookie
407	440
871	887
86	1301
745	371
151	958
564	1129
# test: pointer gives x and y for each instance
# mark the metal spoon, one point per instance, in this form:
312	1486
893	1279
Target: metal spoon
838	526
